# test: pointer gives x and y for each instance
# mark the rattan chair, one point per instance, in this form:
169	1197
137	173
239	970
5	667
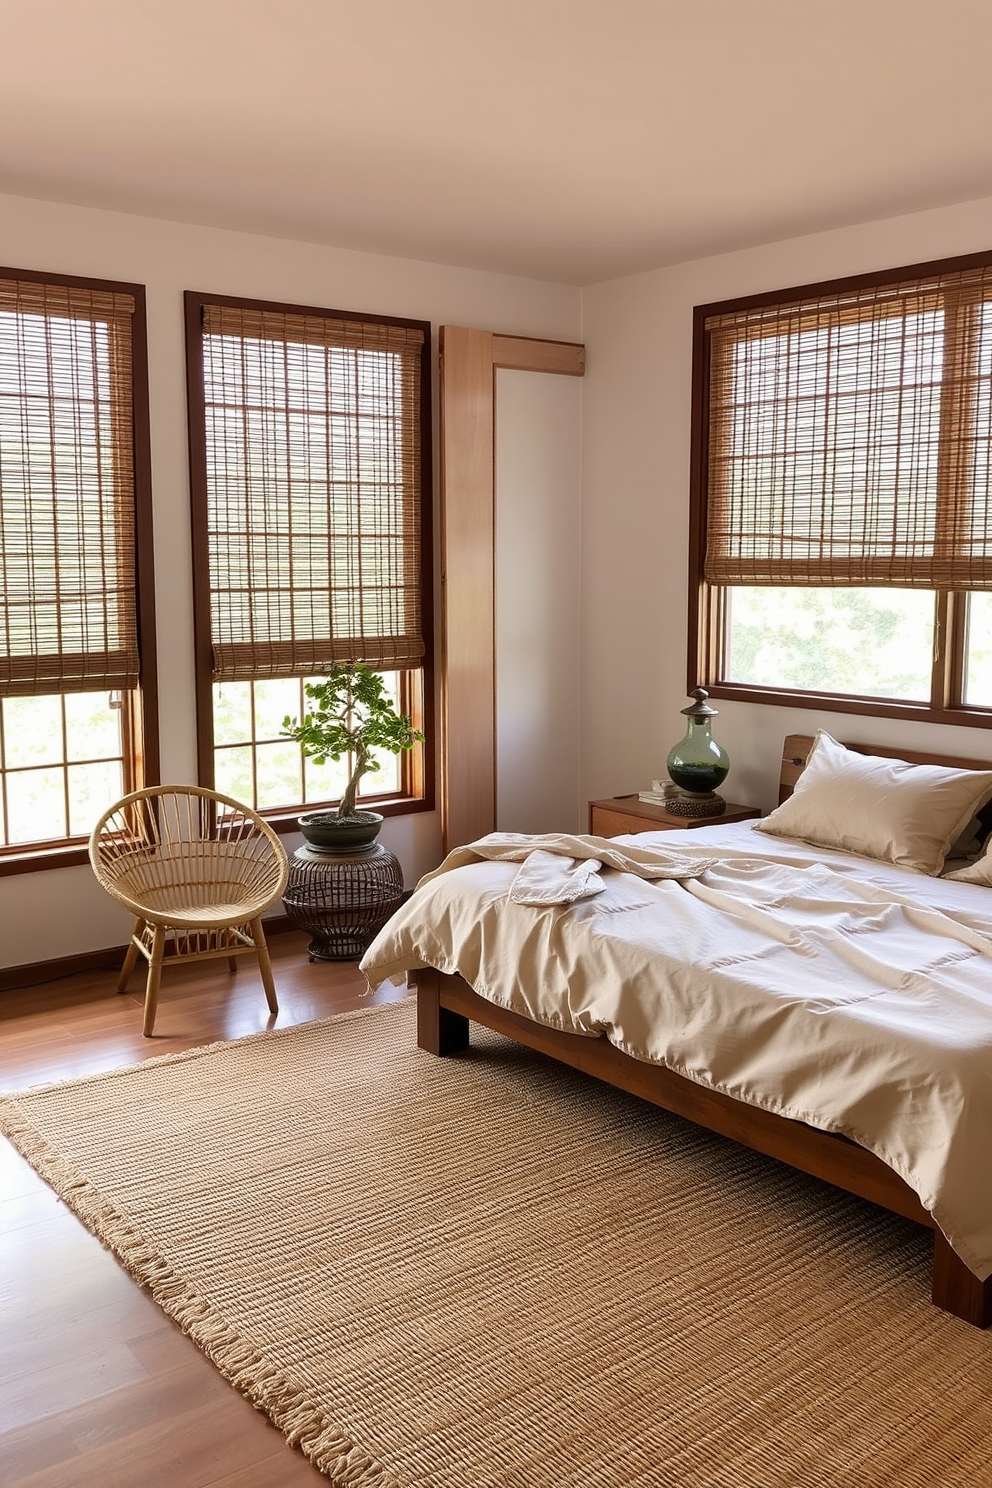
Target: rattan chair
197	869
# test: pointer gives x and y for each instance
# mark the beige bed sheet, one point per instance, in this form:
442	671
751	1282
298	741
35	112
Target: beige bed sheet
848	994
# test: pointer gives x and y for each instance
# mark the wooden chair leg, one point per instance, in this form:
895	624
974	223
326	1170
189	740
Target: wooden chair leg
154	979
232	964
131	957
264	964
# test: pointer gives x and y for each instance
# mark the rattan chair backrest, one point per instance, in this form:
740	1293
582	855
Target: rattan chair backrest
170	849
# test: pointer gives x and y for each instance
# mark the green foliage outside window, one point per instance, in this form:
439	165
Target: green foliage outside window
872	642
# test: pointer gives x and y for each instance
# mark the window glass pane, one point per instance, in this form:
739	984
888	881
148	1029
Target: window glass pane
93	727
278	775
385	780
273	701
325	782
232	712
35	805
92	788
978	669
33	735
233	774
32	731
867	642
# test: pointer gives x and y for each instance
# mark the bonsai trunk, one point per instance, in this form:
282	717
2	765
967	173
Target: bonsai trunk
346	807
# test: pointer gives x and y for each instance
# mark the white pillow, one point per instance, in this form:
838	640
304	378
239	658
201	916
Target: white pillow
885	809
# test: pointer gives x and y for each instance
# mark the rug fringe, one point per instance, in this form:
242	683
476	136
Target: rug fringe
327	1446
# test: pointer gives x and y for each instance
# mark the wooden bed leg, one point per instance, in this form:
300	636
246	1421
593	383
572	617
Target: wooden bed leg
439	1030
958	1290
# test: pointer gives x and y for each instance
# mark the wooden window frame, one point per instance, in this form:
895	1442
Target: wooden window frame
707	609
418	767
140	732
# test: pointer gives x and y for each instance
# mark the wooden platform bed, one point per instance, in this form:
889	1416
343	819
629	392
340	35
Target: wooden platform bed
447	1006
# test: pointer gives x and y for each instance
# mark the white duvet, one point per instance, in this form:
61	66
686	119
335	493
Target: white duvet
841	992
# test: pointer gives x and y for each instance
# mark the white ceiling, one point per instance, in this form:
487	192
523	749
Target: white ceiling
573	140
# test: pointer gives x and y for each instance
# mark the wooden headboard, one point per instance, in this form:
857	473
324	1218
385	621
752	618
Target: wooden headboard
798	746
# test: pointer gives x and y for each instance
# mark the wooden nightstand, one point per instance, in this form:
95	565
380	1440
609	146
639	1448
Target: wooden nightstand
621	814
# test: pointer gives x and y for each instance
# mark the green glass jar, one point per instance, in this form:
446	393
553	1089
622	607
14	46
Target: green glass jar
698	764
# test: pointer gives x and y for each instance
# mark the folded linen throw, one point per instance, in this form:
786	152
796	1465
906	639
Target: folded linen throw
559	868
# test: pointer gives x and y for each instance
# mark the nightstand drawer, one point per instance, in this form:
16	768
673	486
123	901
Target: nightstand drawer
621	815
606	823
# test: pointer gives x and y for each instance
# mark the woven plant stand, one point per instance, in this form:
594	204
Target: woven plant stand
342	900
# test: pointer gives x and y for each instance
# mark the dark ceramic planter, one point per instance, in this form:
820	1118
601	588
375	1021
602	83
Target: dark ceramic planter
326	834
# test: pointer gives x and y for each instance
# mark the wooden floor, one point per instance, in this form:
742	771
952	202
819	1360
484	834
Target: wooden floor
98	1389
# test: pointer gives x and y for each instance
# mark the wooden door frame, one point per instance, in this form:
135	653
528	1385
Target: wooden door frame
469	362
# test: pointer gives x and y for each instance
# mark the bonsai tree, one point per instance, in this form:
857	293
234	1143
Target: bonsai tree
351	715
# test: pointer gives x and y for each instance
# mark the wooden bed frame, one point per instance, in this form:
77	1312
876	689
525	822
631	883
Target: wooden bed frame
446	1005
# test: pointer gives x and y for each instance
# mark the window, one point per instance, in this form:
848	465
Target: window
76	625
311	536
842	537
254	764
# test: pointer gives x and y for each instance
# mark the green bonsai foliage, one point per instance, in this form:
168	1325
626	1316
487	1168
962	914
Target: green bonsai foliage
351	715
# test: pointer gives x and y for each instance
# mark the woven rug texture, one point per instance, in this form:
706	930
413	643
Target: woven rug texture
492	1272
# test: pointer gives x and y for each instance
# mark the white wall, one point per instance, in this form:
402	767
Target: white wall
538	551
57	913
636	408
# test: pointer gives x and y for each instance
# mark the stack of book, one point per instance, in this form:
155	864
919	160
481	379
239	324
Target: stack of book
660	794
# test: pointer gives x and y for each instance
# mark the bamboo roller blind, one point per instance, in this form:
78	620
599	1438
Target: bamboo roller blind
850	438
67	565
313	491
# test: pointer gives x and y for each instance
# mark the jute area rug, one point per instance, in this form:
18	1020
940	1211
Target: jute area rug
491	1271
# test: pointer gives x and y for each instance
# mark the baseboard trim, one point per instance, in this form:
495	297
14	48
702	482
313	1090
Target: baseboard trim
109	959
